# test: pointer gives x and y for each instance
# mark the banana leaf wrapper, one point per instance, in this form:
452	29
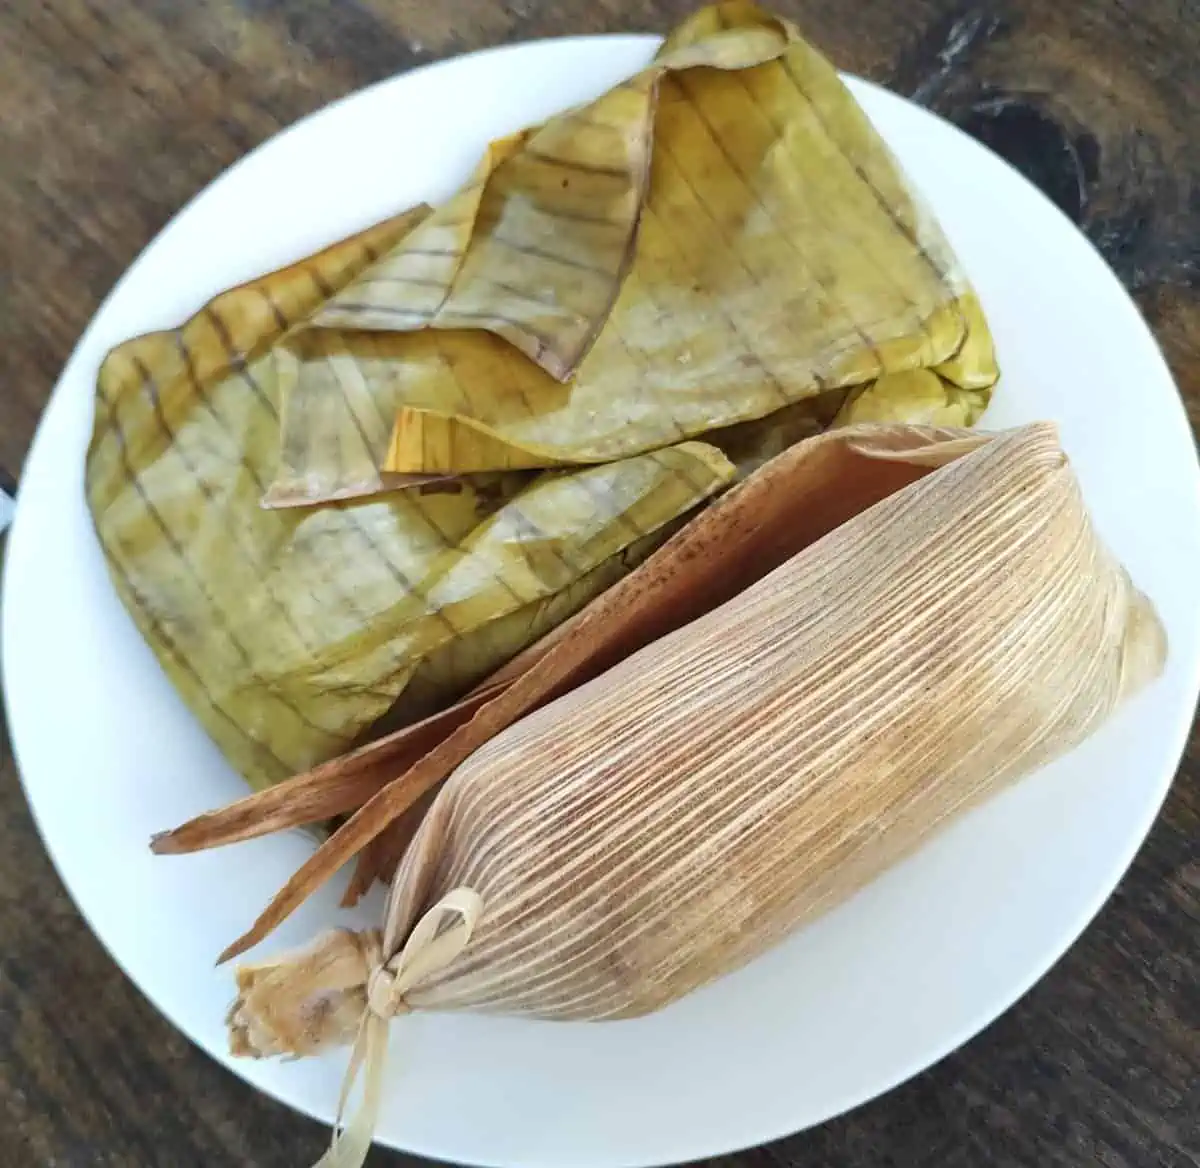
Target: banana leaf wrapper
290	632
717	238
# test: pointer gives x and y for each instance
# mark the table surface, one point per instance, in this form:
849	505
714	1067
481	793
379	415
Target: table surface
113	113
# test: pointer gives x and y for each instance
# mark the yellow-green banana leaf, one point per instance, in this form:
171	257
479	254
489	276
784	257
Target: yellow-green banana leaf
289	632
719	237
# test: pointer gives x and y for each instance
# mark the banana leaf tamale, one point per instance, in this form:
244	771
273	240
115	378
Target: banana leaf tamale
465	423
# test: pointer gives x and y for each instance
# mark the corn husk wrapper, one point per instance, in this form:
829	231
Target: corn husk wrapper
715	239
669	820
289	633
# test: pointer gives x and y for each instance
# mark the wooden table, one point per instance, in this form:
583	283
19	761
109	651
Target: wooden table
114	112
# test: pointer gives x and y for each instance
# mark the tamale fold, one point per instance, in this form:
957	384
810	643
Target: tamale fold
715	239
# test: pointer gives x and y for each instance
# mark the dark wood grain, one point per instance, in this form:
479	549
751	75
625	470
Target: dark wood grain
114	112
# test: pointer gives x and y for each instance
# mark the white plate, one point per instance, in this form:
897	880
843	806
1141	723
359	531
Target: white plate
865	998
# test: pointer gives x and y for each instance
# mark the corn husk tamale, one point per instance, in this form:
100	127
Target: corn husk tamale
668	820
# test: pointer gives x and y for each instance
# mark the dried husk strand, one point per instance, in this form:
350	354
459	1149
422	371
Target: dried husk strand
345	783
334	788
668	821
382	856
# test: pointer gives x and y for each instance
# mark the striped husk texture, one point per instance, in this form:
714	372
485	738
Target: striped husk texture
661	825
669	821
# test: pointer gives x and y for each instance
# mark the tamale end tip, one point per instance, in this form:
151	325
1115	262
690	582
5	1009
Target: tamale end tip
164	843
